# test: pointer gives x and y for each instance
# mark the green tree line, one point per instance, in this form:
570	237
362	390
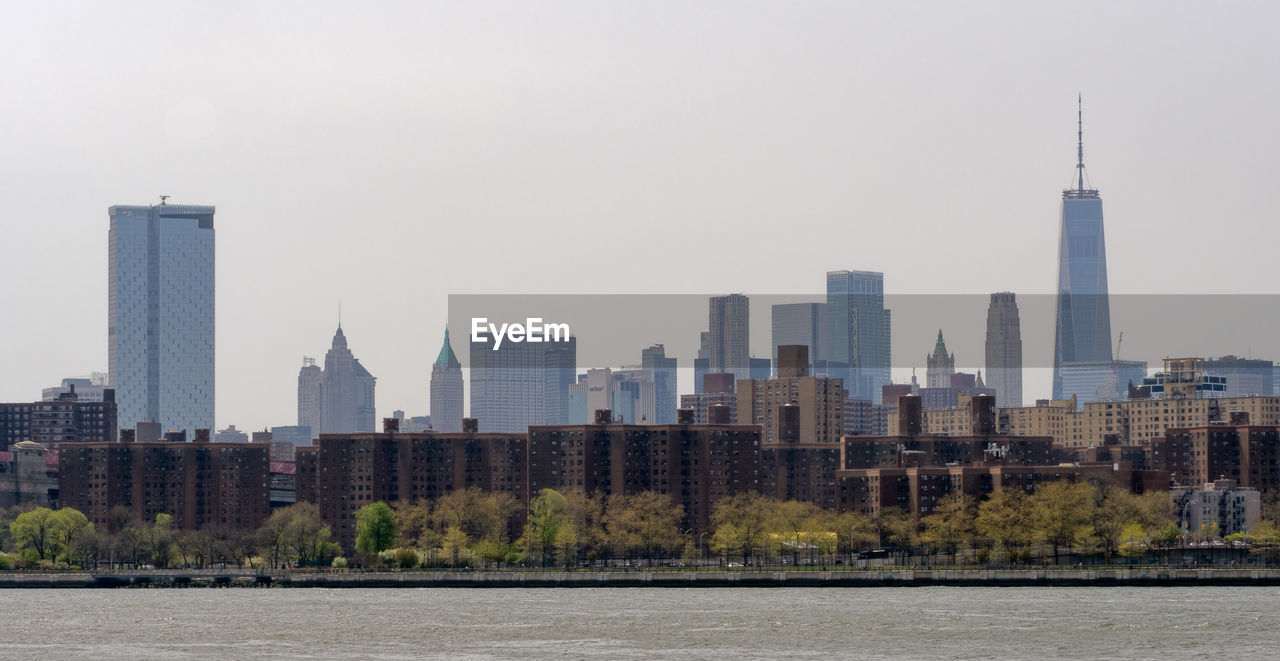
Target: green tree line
471	528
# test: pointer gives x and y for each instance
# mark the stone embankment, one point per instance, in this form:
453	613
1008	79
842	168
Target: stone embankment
1126	576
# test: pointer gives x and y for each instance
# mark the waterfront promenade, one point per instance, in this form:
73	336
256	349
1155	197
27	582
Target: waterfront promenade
674	578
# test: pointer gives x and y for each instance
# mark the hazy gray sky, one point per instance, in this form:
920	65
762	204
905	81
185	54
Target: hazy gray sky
387	154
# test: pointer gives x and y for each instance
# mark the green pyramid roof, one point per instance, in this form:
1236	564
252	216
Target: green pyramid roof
940	349
447	356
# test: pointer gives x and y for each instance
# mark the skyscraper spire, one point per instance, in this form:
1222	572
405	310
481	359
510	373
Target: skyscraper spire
1080	142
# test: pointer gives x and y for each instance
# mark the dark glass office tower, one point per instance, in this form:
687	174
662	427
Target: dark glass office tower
1083	329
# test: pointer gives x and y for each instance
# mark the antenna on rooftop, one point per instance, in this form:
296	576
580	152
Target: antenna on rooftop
164	199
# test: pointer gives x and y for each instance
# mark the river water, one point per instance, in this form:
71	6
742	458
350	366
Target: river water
621	623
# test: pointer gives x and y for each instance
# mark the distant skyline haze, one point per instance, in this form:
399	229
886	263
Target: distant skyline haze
388	156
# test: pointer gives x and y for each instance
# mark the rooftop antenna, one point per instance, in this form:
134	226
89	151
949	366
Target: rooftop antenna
164	199
1080	142
339	315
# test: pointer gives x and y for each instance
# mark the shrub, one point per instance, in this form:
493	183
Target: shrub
6	562
339	563
407	558
29	559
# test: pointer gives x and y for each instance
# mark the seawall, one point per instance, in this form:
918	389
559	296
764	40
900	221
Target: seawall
1043	577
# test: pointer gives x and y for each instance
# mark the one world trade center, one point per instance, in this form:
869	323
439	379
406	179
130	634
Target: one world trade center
1083	330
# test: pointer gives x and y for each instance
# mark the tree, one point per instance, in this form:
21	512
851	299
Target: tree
294	534
1005	520
787	521
644	524
72	534
1133	540
159	540
308	538
726	541
749	514
586	514
1264	539
898	528
853	531
36	530
543	532
195	547
132	542
375	528
454	545
1113	511
413	520
1061	513
235	545
951	525
481	515
272	541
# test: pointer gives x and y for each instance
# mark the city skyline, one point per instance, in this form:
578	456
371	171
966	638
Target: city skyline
848	173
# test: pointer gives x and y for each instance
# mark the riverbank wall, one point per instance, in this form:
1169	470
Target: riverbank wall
1037	577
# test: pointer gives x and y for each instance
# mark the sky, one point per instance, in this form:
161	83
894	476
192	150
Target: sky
382	156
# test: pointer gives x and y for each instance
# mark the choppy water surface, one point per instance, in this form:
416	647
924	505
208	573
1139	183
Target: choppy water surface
730	623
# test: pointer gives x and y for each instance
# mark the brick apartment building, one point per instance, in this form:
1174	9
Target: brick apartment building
201	484
62	420
697	465
344	472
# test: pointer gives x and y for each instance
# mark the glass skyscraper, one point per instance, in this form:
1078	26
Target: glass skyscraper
522	384
798	324
160	328
1083	328
855	340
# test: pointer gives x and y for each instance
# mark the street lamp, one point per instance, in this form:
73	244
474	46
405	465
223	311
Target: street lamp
700	554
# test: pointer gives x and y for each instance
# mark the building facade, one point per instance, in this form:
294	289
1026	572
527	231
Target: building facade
1004	349
940	365
1243	377
446	390
729	341
719	391
1098	381
1083	310
798	324
160	329
1218	508
345	472
200	484
696	465
662	371
310	394
521	384
230	435
28	476
340	397
89	389
817	402
856	336
64	420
